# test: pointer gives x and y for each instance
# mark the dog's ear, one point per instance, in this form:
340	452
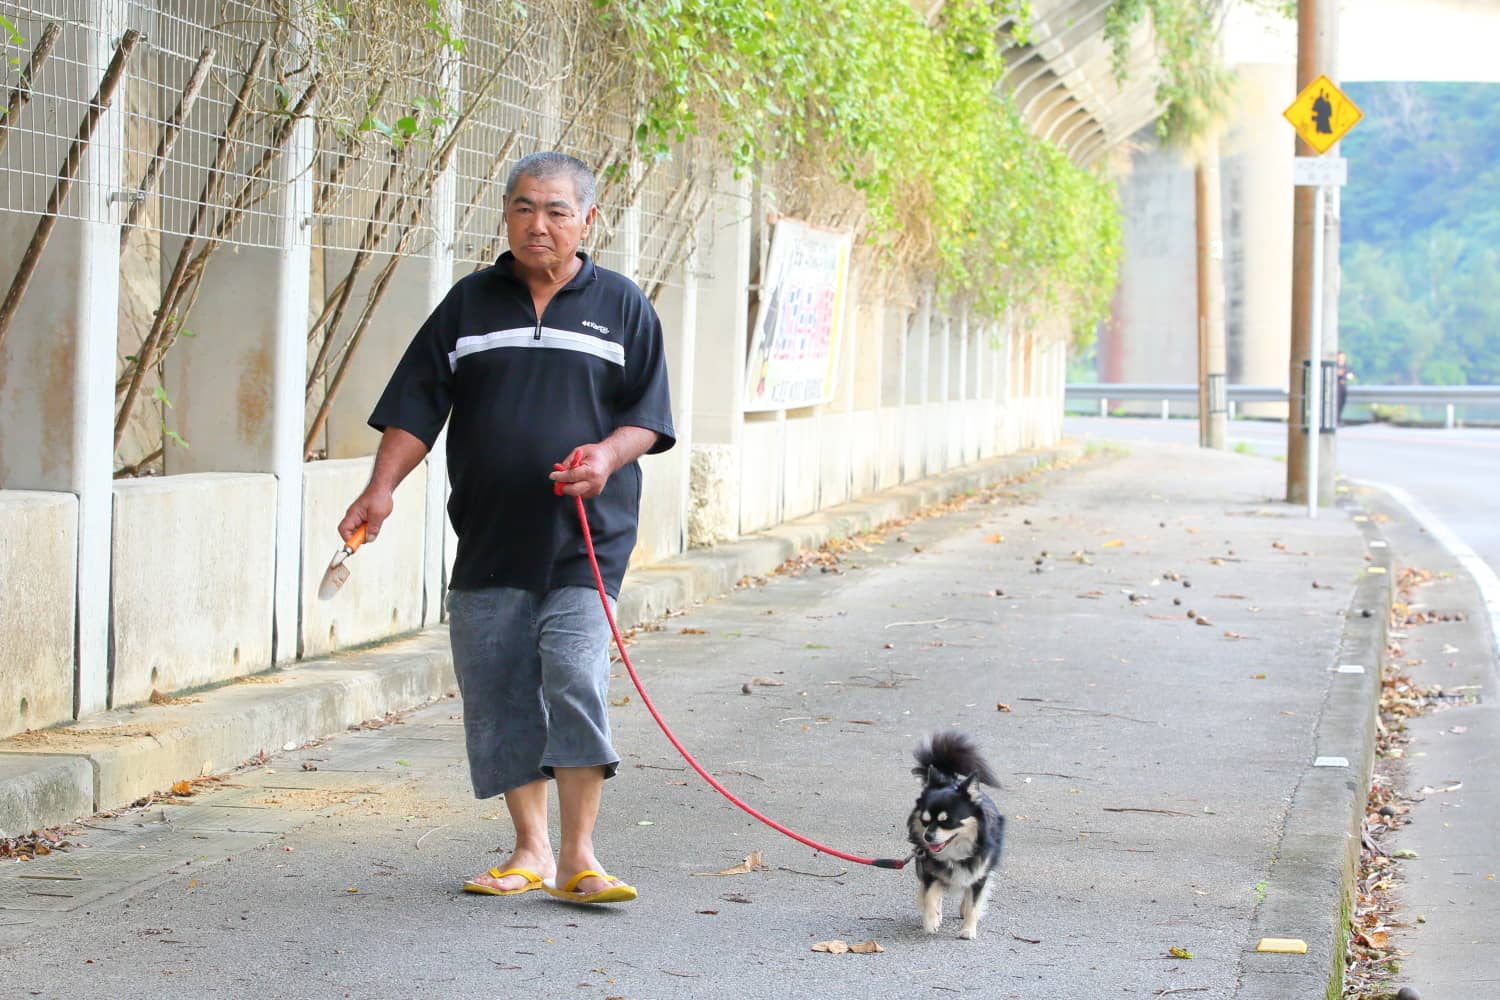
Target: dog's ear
968	787
934	776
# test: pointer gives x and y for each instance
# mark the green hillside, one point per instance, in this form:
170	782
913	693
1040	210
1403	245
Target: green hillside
1420	256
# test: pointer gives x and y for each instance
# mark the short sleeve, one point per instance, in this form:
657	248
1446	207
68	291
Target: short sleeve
420	392
646	400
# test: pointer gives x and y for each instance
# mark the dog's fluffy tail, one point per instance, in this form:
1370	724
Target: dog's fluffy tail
955	754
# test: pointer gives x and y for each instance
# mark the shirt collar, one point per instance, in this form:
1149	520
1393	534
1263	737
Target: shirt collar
506	262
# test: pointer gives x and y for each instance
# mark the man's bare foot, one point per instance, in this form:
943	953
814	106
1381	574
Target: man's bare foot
569	867
540	865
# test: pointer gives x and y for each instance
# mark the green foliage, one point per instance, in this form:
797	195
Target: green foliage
12	38
1420	235
1194	85
908	114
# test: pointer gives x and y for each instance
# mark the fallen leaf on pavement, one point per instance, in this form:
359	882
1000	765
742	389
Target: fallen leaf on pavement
1235	635
767	682
995	539
866	948
182	788
753	863
1179	953
1001	706
694	631
832	947
1115	543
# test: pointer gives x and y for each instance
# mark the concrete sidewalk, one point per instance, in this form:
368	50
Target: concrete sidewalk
1174	673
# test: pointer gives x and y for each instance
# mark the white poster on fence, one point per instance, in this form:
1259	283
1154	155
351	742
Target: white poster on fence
794	343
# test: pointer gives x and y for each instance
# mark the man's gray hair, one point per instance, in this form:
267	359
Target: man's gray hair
547	165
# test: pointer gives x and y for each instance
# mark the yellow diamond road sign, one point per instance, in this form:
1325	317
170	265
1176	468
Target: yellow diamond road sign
1322	113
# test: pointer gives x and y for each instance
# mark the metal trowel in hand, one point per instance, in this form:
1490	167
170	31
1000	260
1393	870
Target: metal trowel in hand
337	571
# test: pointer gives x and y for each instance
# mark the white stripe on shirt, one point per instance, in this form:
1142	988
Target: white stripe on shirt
525	337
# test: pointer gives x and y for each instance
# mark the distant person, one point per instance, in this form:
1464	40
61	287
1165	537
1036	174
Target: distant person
1343	374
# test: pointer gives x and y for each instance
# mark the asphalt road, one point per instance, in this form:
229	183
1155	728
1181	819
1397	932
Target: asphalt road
1453	474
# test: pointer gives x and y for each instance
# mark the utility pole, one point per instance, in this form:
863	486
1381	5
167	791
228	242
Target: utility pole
1317	47
1213	400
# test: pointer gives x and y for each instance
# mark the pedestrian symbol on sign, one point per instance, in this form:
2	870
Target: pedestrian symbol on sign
1322	110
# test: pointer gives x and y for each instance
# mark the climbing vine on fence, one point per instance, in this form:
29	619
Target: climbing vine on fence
908	113
1193	87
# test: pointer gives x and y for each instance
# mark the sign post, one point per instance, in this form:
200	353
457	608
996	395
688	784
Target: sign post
1322	114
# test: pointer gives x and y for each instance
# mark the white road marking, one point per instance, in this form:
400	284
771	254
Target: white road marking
1484	577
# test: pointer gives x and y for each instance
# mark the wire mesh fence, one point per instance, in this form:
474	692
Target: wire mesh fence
399	119
208	98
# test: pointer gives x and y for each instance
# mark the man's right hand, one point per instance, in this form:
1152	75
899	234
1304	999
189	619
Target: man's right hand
371	509
398	454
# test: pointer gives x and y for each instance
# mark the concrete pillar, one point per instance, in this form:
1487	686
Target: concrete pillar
1257	199
838	425
895	321
866	335
894	428
668	478
440	276
723	319
1155	307
239	384
916	392
721	325
57	365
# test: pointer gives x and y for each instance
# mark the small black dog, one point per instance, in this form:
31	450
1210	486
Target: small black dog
955	829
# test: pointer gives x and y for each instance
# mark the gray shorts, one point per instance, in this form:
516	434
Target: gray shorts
533	670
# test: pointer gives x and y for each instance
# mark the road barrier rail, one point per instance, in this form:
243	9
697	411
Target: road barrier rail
1448	396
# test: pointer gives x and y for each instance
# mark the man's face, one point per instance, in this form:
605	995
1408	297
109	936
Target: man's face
544	223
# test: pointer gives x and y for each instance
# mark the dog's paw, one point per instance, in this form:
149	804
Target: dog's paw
931	922
968	933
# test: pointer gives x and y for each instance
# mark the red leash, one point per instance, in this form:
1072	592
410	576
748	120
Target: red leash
588	542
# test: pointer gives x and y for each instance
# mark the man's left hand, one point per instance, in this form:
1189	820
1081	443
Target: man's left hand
586	469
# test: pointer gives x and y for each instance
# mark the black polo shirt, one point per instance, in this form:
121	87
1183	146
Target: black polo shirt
521	392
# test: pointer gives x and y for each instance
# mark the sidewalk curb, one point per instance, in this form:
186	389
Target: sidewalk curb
1316	860
51	777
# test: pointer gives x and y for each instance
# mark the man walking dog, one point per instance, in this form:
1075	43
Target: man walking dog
543	360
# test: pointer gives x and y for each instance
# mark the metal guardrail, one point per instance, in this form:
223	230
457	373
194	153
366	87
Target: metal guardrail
1449	396
1430	395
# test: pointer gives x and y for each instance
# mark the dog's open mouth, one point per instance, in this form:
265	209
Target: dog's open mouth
934	848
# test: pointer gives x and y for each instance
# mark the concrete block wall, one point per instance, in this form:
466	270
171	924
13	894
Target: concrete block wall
38	578
384	595
193	578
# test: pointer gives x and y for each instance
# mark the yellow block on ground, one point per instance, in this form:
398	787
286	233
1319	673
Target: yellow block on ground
1283	946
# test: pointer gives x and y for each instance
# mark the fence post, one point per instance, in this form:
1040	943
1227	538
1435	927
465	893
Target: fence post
1166	409
1449	422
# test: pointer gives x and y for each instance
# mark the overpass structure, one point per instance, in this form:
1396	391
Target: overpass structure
1064	83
